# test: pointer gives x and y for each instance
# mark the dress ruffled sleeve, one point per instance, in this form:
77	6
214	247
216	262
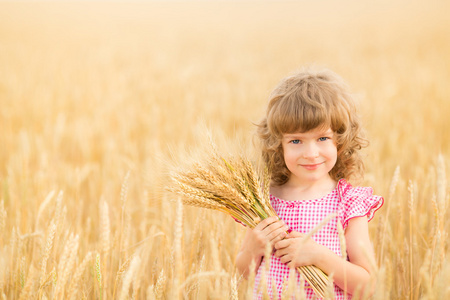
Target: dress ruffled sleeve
357	202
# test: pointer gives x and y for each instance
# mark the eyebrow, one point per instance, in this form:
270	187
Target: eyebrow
329	131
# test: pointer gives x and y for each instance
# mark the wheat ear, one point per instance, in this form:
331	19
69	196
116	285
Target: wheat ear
47	251
66	264
160	284
134	265
75	281
105	227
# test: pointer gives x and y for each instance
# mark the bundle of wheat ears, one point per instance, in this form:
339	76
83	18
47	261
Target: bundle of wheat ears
233	186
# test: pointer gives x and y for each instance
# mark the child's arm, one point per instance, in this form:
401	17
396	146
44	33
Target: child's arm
270	230
348	275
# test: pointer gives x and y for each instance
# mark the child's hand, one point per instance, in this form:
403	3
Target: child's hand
270	230
295	251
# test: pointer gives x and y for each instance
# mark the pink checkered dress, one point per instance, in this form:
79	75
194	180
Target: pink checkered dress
302	216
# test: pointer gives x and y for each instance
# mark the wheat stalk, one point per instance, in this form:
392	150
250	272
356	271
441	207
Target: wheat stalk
42	207
442	205
98	274
59	210
411	210
125	224
393	186
178	236
27	291
136	286
3	215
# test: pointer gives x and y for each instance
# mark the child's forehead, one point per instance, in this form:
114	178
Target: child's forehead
326	130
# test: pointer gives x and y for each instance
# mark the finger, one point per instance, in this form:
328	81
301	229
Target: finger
282	244
274	227
277	234
281	252
285	259
266	222
295	234
279	237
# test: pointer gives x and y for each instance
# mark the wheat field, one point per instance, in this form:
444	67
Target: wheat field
99	99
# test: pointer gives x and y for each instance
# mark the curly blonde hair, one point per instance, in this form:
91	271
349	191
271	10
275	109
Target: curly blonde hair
308	100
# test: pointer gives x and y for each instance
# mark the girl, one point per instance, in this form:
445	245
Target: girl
310	139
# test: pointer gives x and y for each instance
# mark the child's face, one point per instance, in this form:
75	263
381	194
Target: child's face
311	155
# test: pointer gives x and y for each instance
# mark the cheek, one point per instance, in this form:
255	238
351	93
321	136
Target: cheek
289	157
332	152
335	155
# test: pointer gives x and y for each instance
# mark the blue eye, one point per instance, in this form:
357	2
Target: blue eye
295	141
323	139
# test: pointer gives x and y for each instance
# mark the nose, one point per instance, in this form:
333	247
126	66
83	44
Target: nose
310	151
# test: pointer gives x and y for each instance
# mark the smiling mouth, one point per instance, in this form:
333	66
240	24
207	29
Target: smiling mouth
312	166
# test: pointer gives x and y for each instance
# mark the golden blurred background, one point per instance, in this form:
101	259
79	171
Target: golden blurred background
97	96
